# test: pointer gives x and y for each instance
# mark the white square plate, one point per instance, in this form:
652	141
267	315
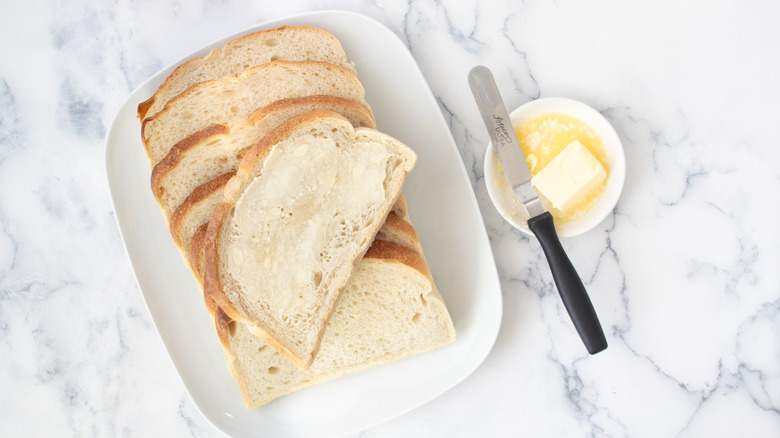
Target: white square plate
442	207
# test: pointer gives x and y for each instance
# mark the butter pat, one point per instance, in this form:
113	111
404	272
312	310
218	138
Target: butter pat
569	179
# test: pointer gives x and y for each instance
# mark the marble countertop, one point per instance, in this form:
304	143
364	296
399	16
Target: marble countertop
685	274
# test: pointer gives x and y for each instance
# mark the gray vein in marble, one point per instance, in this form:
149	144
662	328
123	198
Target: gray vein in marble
31	287
79	38
574	387
741	271
576	390
65	201
193	427
120	334
611	253
756	382
658	370
470	160
187	420
538	271
697	397
529	277
95	64
724	381
769	312
49	365
8	248
464	38
82	112
10	136
404	26
123	63
535	91
689	175
665	154
619	332
584	404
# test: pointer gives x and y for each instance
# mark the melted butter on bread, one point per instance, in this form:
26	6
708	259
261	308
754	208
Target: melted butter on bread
300	203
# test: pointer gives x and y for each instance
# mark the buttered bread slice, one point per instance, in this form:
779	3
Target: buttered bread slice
301	211
217	101
286	43
218	149
390	310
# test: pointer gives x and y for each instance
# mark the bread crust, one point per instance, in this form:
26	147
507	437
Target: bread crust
384	250
224	325
317	100
195	253
211	283
197	195
143	107
279	32
174	155
398	220
197	88
401	209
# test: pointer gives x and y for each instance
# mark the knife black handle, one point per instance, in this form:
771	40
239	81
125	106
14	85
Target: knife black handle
575	297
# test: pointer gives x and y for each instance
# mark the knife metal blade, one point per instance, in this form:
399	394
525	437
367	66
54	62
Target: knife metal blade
504	139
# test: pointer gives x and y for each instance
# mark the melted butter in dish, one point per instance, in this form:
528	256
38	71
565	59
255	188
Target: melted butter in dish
577	177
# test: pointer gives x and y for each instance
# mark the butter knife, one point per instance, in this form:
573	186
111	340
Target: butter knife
502	135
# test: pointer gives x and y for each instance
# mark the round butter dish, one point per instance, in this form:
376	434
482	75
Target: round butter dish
511	208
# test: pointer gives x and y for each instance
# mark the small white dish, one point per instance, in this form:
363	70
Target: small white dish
511	208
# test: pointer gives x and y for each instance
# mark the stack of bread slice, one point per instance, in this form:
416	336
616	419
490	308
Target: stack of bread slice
286	203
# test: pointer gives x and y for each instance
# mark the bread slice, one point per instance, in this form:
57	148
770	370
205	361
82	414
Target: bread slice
390	310
395	230
217	149
399	230
217	101
303	208
296	43
195	211
190	230
189	221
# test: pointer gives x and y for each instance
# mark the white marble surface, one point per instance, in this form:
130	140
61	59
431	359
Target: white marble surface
685	274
